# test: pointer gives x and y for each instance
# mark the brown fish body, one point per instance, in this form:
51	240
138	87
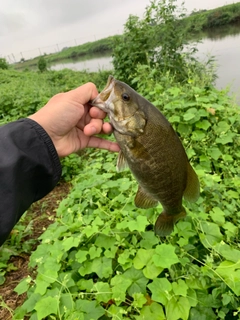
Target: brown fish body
153	152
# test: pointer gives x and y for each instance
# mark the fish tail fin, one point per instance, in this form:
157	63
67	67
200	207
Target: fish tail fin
165	223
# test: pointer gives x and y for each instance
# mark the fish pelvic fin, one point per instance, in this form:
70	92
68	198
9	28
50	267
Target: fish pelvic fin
165	223
144	200
192	191
121	162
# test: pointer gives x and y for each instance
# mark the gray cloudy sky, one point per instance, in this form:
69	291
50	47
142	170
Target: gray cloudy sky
27	25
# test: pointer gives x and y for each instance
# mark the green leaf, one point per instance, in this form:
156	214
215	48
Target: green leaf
46	306
105	241
139	300
180	288
218	216
152	312
144	260
23	285
177	308
103	292
203	124
102	266
211	234
91	309
120	284
215	153
160	289
138	281
139	225
228	252
198	135
70	243
81	255
165	256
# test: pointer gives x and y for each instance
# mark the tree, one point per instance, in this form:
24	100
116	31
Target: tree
3	64
42	64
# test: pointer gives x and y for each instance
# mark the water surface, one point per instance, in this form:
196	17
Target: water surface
223	43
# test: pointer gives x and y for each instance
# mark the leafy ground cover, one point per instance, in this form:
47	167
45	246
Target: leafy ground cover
100	259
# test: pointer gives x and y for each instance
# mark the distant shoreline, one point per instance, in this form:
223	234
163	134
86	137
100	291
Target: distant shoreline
195	23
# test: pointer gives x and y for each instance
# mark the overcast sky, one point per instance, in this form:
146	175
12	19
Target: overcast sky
30	27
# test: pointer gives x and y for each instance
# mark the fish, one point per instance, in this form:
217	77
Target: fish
152	150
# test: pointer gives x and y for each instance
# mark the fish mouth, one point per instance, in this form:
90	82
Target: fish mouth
101	101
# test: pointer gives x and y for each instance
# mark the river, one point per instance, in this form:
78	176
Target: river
223	43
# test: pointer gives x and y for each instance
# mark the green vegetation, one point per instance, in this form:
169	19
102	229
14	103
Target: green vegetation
207	19
3	64
197	22
100	258
102	47
42	64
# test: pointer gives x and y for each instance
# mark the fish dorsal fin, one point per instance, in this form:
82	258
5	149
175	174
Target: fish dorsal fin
144	200
121	162
192	191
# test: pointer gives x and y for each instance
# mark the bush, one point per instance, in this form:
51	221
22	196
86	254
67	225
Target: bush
3	64
42	64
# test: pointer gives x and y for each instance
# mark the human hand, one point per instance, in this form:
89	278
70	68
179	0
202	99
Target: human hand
72	123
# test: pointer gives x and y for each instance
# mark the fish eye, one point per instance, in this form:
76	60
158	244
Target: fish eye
125	96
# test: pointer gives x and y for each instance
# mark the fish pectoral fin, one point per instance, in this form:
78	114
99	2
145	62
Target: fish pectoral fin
192	191
121	162
144	200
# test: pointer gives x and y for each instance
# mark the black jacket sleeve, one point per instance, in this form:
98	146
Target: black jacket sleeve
29	169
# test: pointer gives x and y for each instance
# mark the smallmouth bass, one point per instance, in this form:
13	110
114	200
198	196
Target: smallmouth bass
153	152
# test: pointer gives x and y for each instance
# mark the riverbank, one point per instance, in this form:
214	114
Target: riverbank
196	23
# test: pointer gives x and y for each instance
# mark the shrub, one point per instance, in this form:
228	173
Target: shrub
42	64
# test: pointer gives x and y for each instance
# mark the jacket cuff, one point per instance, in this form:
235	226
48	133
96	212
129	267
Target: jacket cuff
50	146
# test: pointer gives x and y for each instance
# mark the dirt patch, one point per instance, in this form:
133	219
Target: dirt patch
40	216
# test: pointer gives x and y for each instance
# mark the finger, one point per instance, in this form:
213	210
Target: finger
107	128
96	142
93	127
97	113
84	93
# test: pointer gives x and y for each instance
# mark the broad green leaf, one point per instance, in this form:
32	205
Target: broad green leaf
198	135
23	285
85	284
94	252
228	252
138	281
215	153
177	308
81	255
228	270
142	258
218	216
139	225
180	288
211	234
46	306
91	309
102	266
139	300
105	241
165	256
120	284
203	124
152	312
71	242
103	292
160	289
